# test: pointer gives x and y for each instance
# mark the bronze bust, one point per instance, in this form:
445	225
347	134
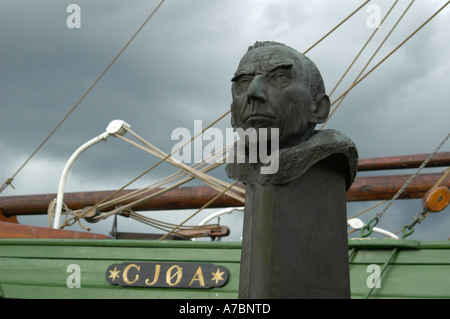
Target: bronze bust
294	234
275	86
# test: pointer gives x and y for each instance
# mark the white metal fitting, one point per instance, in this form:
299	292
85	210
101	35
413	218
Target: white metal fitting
117	127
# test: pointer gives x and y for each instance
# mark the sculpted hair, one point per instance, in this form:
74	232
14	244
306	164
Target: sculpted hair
316	84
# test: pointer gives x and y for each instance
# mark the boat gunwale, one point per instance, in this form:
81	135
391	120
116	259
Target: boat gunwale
120	243
359	243
391	243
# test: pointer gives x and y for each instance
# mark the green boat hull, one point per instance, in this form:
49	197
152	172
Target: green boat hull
43	268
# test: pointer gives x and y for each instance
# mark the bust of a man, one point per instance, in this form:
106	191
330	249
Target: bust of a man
276	87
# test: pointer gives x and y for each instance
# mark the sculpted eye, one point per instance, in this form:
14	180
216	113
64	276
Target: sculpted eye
242	83
280	79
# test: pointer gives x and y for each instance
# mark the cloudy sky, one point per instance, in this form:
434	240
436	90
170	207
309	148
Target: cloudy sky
178	70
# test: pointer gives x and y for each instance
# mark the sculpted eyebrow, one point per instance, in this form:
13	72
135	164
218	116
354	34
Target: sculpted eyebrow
239	74
282	66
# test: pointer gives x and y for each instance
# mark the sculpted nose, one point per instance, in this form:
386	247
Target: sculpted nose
255	90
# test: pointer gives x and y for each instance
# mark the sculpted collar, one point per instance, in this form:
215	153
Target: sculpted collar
295	161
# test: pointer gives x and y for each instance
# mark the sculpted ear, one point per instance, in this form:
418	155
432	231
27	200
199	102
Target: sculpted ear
320	109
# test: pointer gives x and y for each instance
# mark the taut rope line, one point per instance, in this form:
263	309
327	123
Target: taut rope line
153	166
337	26
368	62
388	55
367	230
199	210
363	48
209	180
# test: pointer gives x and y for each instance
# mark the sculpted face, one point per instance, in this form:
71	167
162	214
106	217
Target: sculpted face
271	90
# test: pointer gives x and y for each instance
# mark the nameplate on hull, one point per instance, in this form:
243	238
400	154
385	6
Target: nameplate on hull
167	275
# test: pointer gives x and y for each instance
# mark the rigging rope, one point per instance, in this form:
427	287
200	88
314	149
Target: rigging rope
388	55
199	210
209	180
167	156
367	230
227	112
160	183
9	180
425	212
441	179
155	165
363	48
368	209
337	26
368	62
186	170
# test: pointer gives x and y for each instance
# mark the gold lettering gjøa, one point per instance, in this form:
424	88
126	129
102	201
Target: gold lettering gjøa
155	279
182	275
198	276
125	273
178	274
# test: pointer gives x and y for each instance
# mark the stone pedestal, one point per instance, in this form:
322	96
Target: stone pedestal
295	237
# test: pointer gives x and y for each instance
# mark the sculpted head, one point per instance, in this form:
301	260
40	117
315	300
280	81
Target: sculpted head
277	87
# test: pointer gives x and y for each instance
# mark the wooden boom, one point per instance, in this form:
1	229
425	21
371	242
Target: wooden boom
405	161
192	197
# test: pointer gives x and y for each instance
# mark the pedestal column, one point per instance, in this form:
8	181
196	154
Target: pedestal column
295	237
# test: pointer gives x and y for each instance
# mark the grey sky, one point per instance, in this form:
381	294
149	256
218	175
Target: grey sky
178	70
